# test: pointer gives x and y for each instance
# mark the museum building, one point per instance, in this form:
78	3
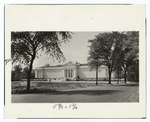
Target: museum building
71	71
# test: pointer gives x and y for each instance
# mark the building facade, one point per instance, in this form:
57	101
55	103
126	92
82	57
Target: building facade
71	71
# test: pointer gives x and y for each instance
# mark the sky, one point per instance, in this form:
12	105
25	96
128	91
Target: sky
75	50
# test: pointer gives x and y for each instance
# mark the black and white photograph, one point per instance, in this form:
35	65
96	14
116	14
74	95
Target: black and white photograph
75	61
75	67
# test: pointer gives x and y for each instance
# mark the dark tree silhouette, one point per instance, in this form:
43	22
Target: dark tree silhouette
26	45
25	73
129	52
93	60
16	73
107	45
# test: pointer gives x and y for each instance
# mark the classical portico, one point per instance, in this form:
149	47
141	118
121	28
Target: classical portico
38	73
67	71
70	70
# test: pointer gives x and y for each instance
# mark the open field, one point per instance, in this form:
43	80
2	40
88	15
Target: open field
47	92
44	86
36	87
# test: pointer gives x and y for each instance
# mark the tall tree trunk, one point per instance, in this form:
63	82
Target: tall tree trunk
118	80
109	82
118	75
125	76
136	76
97	75
135	79
29	74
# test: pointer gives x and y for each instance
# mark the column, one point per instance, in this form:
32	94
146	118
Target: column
35	74
63	73
68	73
72	73
75	73
41	74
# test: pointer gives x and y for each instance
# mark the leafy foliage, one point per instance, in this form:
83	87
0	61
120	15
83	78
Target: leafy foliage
24	74
26	45
130	53
106	48
115	50
94	60
16	73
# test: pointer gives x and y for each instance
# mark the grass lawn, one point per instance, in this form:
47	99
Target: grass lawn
45	87
45	92
37	87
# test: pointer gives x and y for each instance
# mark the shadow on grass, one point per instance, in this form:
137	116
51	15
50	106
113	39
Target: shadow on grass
86	92
78	92
133	85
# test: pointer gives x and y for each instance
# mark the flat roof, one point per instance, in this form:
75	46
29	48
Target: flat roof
62	66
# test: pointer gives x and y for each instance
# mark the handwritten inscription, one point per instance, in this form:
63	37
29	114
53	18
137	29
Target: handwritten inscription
61	106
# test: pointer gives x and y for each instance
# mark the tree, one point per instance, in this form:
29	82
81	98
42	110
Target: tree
133	71
129	52
26	45
16	73
116	49
93	59
126	64
12	75
108	49
119	72
25	73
